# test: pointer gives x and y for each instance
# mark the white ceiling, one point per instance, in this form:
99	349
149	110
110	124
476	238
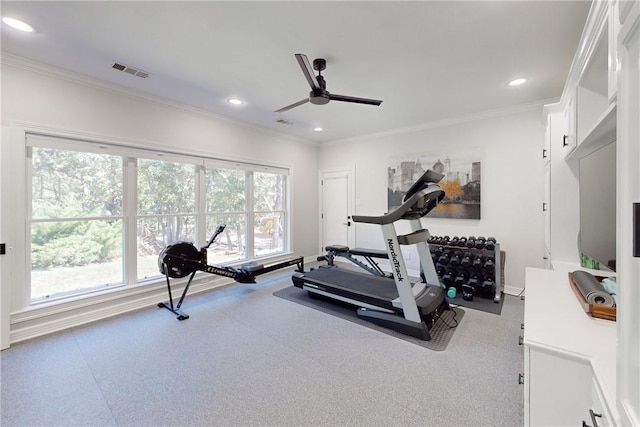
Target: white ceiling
428	61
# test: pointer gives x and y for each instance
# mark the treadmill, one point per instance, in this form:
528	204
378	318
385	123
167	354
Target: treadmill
395	303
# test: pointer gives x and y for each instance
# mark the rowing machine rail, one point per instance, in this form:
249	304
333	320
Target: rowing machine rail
182	259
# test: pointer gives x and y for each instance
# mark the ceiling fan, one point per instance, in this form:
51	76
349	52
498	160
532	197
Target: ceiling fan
319	94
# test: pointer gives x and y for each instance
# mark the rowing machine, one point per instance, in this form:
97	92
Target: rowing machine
182	259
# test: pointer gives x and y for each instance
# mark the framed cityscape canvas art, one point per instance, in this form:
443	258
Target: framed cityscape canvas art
461	181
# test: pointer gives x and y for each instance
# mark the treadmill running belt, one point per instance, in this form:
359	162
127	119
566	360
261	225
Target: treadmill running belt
377	287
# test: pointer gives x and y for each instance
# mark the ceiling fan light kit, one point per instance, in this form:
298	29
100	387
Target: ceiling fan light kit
319	94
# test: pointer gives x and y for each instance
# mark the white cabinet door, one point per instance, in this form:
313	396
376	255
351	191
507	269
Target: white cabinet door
559	388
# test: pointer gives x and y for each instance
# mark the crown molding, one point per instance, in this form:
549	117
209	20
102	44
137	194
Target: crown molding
77	78
447	122
596	19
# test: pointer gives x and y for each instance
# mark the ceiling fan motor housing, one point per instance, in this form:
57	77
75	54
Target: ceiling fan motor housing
319	97
319	64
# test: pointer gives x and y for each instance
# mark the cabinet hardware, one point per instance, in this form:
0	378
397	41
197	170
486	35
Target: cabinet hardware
544	153
520	340
544	206
520	378
3	248
636	230
565	140
521	325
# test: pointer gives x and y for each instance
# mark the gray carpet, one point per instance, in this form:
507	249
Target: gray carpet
441	332
247	358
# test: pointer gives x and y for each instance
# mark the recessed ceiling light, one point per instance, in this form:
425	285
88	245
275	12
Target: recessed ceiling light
18	25
318	129
517	82
235	101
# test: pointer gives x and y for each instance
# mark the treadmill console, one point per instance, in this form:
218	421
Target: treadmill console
427	178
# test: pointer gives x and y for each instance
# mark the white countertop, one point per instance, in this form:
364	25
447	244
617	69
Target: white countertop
554	319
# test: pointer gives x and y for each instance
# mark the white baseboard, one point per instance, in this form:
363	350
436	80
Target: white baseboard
52	317
512	290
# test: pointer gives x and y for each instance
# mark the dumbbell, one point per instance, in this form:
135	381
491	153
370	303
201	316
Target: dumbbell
480	242
455	241
474	281
489	264
460	279
445	257
471	243
448	276
478	262
488	285
455	259
462	242
490	244
467	260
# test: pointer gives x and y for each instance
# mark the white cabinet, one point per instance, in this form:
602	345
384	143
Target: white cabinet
600	104
628	192
561	192
569	356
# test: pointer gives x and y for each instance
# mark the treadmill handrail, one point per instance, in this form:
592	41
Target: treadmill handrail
406	207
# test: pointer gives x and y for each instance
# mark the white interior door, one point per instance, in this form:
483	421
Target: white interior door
336	207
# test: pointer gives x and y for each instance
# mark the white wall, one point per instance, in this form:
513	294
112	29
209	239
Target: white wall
512	179
38	96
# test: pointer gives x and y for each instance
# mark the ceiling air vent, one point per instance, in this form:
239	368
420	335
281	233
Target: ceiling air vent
284	122
130	70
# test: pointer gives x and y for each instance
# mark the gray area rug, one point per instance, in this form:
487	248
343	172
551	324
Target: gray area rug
441	332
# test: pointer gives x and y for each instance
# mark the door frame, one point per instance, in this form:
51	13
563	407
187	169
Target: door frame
351	173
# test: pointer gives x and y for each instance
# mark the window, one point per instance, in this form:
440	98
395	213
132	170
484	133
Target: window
101	214
76	221
166	210
226	203
268	213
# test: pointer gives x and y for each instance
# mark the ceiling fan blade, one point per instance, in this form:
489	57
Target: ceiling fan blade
307	70
344	98
294	105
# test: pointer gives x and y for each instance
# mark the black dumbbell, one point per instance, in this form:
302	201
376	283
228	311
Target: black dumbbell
447	277
489	264
455	259
460	279
488	284
480	242
467	260
474	281
444	258
478	262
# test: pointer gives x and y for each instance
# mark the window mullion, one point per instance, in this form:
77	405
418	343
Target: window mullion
201	205
250	214
129	209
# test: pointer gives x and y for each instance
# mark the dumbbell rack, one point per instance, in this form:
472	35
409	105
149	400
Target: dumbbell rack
453	246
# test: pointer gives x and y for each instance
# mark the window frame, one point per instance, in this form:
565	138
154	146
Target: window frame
130	154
